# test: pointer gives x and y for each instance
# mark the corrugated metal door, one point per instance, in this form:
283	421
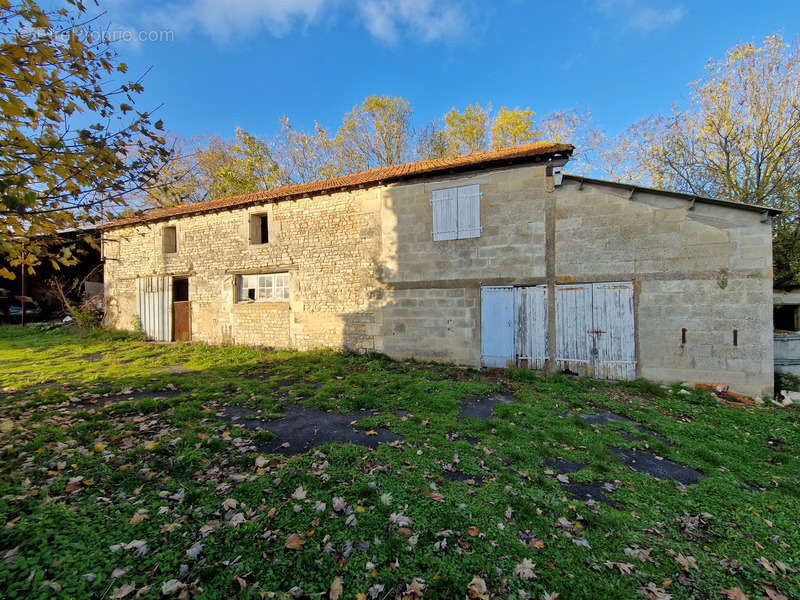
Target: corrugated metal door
614	343
531	326
497	326
573	323
155	307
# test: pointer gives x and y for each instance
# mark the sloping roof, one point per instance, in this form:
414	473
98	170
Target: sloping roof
690	197
537	151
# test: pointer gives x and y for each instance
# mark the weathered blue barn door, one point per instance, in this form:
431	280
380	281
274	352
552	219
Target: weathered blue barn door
497	326
614	341
573	324
531	326
595	328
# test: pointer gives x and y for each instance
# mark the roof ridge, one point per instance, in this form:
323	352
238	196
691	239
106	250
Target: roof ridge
374	176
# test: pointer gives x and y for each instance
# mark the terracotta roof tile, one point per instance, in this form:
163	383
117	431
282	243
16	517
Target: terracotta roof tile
383	175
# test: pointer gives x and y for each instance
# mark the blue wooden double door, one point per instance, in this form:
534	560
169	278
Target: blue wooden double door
594	328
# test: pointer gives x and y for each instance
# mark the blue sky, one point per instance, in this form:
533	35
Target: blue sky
247	62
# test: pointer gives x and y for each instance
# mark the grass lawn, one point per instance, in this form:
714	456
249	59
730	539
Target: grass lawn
120	477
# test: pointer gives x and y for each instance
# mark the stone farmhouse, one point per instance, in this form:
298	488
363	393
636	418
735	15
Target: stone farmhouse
490	259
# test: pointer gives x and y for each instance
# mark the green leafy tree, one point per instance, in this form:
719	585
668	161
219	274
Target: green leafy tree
72	145
247	166
211	167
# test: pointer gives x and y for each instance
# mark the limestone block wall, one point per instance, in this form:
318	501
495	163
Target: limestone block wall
703	268
431	309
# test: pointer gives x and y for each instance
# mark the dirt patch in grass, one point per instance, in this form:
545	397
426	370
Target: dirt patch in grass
595	490
475	480
482	407
605	418
564	466
662	468
302	429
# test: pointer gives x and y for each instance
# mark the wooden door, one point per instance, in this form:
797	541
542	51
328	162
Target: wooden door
614	340
497	326
530	304
573	324
181	310
182	321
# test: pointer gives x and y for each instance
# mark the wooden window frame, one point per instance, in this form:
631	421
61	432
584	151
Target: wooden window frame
259	224
275	286
169	239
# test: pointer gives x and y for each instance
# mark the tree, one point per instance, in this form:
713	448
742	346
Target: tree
467	132
738	139
246	167
72	146
512	127
303	156
376	133
431	142
178	182
625	157
211	167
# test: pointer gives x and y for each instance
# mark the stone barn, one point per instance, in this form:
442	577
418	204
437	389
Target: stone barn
491	259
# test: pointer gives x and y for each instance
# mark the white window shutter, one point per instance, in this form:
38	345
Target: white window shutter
469	211
445	214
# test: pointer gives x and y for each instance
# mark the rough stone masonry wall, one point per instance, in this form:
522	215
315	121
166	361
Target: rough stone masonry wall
327	244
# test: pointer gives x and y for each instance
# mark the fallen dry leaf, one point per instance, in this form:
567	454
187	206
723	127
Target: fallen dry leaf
766	564
473	530
652	592
535	543
624	568
687	563
294	541
735	594
772	592
524	570
477	589
123	591
336	588
435	496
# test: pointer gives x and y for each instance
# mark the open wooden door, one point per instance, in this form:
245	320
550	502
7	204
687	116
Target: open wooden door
181	310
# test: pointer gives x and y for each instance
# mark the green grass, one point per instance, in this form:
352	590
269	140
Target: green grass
83	490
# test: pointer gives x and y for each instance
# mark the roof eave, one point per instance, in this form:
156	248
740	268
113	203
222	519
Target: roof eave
547	157
684	196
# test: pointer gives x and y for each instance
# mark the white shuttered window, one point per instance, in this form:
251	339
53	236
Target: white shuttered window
456	213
